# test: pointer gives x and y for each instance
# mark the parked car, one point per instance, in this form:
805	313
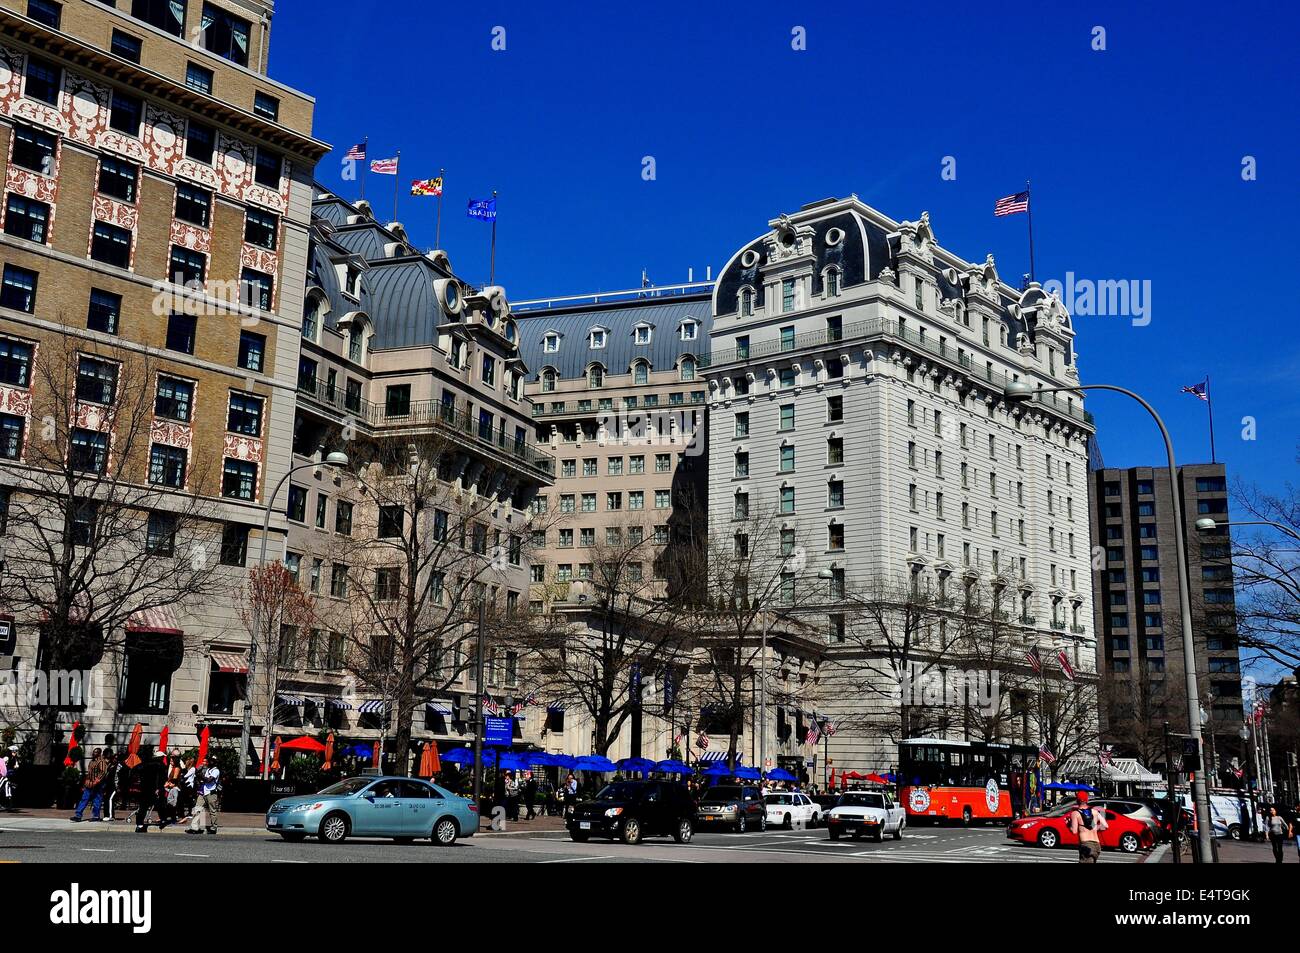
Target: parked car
1230	813
401	808
1050	830
792	809
1130	808
825	801
631	810
866	812
737	806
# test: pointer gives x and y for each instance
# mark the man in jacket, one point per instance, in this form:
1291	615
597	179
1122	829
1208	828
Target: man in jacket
153	776
92	786
206	780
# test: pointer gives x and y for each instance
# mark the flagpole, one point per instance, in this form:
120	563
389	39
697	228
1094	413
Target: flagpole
437	228
1029	208
1209	404
492	268
397	182
365	164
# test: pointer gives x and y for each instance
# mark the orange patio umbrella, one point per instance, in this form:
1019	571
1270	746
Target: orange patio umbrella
133	748
329	753
374	757
831	783
73	744
275	755
430	764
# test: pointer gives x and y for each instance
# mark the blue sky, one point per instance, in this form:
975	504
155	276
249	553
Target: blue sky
1135	153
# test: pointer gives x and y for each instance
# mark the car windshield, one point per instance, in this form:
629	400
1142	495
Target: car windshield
620	791
778	799
350	786
860	799
721	794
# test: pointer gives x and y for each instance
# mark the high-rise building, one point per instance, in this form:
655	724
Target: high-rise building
1138	609
156	216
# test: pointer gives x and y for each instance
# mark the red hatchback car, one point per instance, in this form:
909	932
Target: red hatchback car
1050	830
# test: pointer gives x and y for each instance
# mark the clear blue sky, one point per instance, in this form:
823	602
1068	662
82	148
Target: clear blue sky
1135	154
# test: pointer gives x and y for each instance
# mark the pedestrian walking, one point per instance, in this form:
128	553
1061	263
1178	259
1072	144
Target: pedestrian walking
189	793
8	769
1295	829
570	793
112	782
1278	831
92	787
153	779
207	780
512	796
530	796
1085	824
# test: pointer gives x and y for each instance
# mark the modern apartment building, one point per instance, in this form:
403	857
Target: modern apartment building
156	213
856	377
1138	609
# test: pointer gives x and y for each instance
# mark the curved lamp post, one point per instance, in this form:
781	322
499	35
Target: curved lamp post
336	459
1021	392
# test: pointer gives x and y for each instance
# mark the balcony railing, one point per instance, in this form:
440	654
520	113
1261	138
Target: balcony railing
424	413
879	328
569	408
1077	629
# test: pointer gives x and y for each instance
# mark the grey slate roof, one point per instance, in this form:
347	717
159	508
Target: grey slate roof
665	348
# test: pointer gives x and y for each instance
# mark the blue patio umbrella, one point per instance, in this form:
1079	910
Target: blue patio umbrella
566	761
747	774
514	761
673	767
638	765
459	756
714	768
360	751
780	774
595	762
540	759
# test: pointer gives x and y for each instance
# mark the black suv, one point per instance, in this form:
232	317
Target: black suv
631	810
737	806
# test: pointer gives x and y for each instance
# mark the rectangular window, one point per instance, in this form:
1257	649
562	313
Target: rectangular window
104	312
266	106
834	409
397	400
787	499
835	496
111	245
392	522
96	381
787	416
188	268
11	437
198	78
663	462
19	289
193	204
663	499
261	228
252	350
245	415
322	510
225	34
34	149
167	466
266	168
787	299
200	142
43	81
239	480
27	218
89	451
160	534
126	46
124	114
257	289
173	399
181	332
787	459
45	11
234	545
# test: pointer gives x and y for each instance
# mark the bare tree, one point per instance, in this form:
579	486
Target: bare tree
1135	707
1266	567
106	520
271	596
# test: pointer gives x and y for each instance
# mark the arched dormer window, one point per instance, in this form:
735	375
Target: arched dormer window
641	372
831	282
311	319
746	302
596	376
357	342
686	368
548	380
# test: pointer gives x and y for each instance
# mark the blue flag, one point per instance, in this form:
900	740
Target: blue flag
485	209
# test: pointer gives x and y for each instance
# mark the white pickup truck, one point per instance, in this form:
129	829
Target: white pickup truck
866	812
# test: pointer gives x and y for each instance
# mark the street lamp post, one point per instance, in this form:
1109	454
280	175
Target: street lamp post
1244	733
1020	391
336	459
1208	525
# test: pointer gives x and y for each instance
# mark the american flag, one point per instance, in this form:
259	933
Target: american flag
829	729
1105	756
1066	668
530	698
518	706
384	166
489	704
1200	391
702	742
1012	204
1035	660
356	152
1045	755
814	734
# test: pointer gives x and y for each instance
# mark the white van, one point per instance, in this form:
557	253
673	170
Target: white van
1225	811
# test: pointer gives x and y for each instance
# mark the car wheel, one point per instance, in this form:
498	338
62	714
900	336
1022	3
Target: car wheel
812	822
835	835
879	836
787	823
445	832
762	824
966	817
632	831
685	831
334	829
1234	831
579	837
1129	843
293	838
1048	838
740	825
898	832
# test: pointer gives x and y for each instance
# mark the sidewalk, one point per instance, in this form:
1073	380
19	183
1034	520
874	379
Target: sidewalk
1244	852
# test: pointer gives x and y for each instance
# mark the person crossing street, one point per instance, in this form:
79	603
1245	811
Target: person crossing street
1086	824
207	779
92	786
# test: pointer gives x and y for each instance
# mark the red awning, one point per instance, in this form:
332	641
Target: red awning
303	744
235	663
160	619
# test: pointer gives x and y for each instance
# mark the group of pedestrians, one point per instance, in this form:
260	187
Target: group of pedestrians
509	789
170	789
100	785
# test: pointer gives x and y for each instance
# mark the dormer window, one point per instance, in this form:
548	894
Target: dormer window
640	373
919	294
548	380
689	330
833	283
687	368
596	338
747	302
354	281
551	343
596	376
311	320
356	344
643	333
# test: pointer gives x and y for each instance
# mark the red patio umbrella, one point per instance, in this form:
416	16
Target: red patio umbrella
831	783
300	744
203	744
73	744
374	757
430	764
877	779
162	739
133	748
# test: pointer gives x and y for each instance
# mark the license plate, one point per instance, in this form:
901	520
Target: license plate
272	822
709	817
584	825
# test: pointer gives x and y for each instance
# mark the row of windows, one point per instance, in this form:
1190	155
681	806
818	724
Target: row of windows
614	536
614	501
834	500
834	457
642	334
687	367
636	465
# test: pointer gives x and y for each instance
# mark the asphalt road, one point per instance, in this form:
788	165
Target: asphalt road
33	841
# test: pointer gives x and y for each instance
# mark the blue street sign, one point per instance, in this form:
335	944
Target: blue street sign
498	732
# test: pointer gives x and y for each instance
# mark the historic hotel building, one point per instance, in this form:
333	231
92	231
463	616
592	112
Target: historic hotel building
855	388
157	203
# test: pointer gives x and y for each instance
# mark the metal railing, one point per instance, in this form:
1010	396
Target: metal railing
542	408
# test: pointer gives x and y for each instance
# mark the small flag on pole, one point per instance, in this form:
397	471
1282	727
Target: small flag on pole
484	209
1045	755
702	742
489	704
1012	204
1105	756
1035	660
1200	391
357	152
829	729
1066	668
384	166
814	733
427	186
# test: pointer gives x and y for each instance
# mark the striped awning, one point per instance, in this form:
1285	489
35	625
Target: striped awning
439	708
555	706
371	707
160	619
235	663
291	700
715	756
338	703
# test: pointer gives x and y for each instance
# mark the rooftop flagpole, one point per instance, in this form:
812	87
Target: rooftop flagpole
1209	405
492	268
397	182
437	228
1029	208
365	164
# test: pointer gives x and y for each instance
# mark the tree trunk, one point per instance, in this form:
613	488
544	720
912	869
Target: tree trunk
46	722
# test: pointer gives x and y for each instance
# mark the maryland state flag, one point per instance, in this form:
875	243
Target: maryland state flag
427	186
